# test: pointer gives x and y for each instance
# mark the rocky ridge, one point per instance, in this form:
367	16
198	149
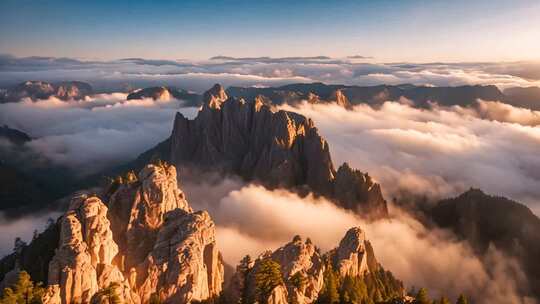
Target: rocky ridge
146	244
304	269
345	95
278	149
71	90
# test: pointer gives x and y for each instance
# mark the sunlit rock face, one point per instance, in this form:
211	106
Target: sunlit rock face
184	264
300	258
278	149
148	244
138	208
82	264
354	256
155	93
301	261
166	94
34	90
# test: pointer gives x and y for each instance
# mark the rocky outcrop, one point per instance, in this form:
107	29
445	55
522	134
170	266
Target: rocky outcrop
148	244
156	93
278	149
352	186
278	295
72	90
354	256
303	269
340	99
82	265
138	209
165	94
300	261
184	264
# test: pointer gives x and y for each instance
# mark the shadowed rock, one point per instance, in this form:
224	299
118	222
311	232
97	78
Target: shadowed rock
278	149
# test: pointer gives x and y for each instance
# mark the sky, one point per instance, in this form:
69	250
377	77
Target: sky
387	31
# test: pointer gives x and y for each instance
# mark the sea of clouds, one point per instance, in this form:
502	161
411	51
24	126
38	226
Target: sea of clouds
436	152
123	74
260	220
92	134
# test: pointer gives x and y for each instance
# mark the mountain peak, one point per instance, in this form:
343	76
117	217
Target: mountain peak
147	241
214	97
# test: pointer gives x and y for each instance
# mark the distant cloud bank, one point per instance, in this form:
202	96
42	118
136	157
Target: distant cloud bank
123	74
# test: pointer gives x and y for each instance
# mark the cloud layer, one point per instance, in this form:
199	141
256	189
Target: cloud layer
92	134
262	71
260	219
438	152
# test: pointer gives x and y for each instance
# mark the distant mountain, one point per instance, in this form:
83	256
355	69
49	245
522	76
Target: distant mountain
486	220
27	182
166	93
277	149
17	188
13	136
524	97
420	95
43	90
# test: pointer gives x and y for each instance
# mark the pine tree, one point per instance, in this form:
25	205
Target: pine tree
462	299
422	297
329	294
110	293
298	280
24	291
244	268
267	278
444	300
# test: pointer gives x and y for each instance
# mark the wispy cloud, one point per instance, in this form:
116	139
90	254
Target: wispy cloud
263	71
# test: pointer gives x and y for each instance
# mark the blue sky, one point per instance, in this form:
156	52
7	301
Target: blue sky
389	31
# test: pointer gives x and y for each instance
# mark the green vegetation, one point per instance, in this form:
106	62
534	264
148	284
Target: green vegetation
267	277
24	291
462	300
442	300
298	280
110	293
377	287
422	297
35	257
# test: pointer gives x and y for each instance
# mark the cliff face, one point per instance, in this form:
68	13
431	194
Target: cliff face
147	244
277	149
303	270
82	264
354	256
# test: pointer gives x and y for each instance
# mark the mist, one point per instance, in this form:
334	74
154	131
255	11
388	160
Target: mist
251	219
23	228
90	135
437	152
